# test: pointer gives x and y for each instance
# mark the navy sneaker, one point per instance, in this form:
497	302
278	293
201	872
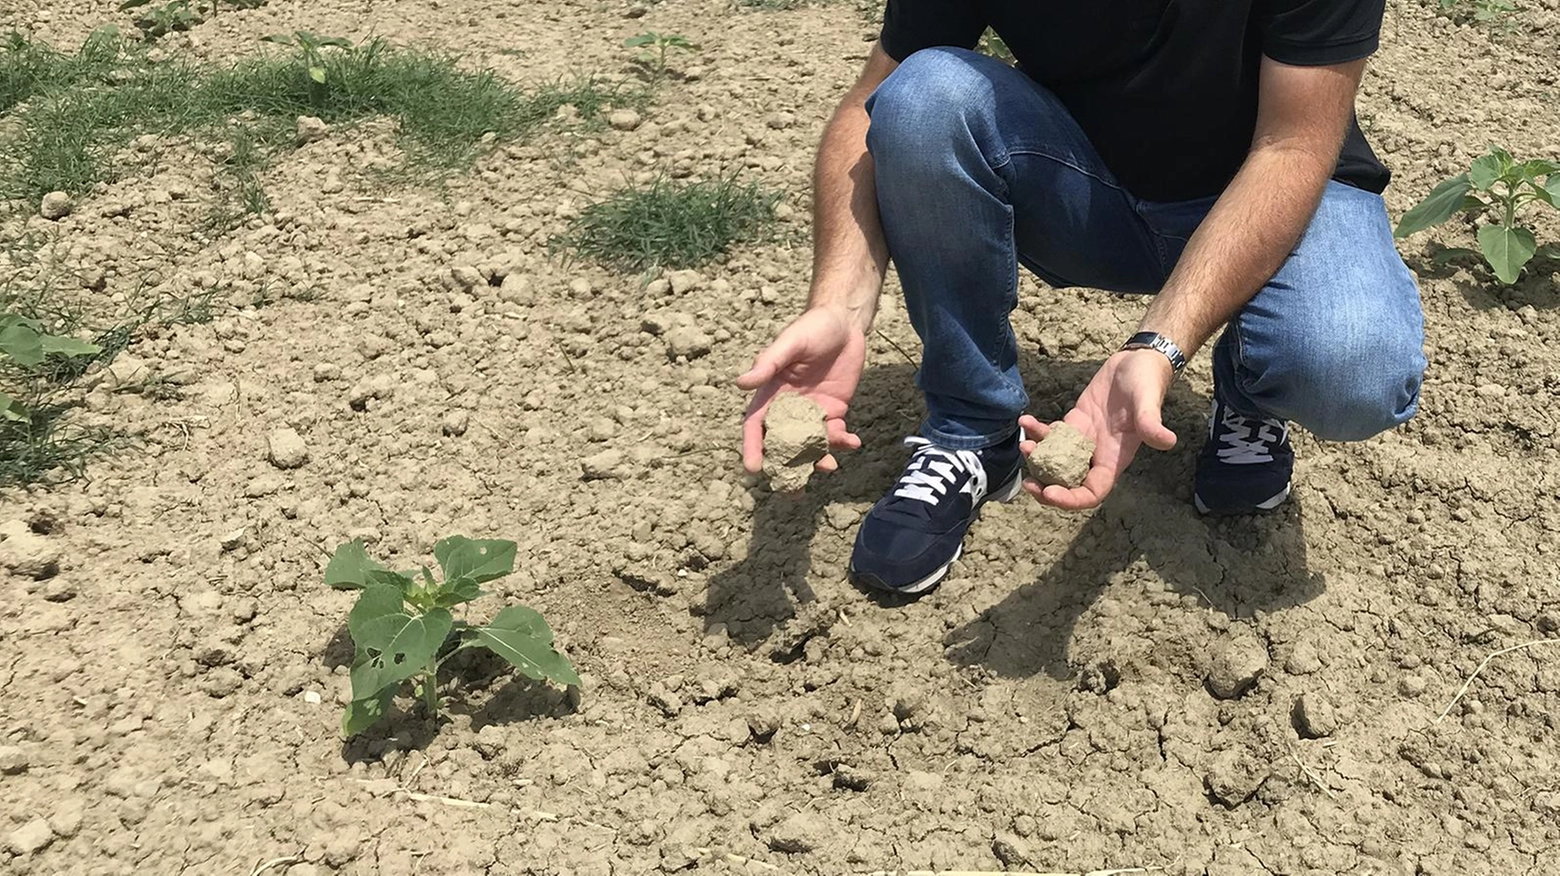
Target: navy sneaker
912	535
1245	466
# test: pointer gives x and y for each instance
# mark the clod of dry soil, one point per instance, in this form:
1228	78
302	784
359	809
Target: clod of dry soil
794	439
1062	459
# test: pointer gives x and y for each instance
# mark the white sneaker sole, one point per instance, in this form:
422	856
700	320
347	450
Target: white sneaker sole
1269	505
1004	495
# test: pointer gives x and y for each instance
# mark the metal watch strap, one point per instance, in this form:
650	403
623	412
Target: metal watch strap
1157	341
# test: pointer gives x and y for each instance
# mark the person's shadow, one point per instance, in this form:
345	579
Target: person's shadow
765	588
1238	565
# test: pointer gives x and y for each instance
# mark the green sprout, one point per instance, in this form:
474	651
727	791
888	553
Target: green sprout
24	344
310	48
1487	12
162	20
403	629
654	49
1499	185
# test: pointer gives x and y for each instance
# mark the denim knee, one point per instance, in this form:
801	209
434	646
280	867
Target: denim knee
931	105
1363	381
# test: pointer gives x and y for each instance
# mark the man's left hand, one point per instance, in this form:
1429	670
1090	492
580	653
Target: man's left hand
1120	410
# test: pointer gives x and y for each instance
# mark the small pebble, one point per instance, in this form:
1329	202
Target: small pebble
56	206
286	449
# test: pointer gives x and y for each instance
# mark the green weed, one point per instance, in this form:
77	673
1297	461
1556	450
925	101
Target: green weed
655	49
1499	185
68	138
670	224
993	45
403	630
1500	14
37	369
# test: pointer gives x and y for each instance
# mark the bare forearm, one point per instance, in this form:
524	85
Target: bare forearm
849	253
1240	245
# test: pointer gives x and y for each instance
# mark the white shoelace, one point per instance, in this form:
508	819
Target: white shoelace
932	471
1244	445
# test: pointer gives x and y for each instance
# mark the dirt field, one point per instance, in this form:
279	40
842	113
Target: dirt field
173	683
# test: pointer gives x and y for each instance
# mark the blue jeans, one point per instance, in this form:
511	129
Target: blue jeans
979	169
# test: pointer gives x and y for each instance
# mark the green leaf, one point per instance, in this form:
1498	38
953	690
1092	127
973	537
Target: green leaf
12	410
411	648
521	636
349	566
365	713
399	580
455	592
68	346
1552	186
1537	167
317	74
1507	250
1485	171
280	39
22	342
644	39
478	559
379	612
1443	201
133	4
1548	252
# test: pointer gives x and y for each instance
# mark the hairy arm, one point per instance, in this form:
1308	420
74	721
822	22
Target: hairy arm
1303	114
849	254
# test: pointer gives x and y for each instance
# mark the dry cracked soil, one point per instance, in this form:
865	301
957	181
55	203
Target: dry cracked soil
1130	688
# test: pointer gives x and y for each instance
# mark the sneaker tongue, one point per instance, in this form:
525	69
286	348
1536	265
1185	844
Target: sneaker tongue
930	482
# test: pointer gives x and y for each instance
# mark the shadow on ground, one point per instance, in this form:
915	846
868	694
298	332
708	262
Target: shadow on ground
1238	565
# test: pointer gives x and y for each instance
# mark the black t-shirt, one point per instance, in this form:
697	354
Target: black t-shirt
1166	90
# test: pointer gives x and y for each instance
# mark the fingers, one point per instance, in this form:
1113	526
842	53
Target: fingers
768	362
1033	429
753	439
840	437
1152	429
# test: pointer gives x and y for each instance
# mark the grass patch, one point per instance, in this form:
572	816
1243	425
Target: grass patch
72	116
670	224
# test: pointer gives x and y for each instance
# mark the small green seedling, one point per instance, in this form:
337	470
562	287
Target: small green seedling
403	629
1491	12
24	343
1500	185
654	49
311	57
162	20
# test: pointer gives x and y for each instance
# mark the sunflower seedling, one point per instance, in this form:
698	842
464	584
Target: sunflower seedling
159	21
24	344
403	630
1501	186
311	48
655	48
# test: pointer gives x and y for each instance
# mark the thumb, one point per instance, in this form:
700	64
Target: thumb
768	363
1152	429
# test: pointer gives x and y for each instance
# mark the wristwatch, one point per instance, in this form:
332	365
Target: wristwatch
1157	341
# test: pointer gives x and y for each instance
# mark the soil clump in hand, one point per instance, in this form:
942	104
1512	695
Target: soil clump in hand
794	439
1062	459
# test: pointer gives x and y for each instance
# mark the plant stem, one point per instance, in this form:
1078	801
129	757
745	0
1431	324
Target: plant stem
430	693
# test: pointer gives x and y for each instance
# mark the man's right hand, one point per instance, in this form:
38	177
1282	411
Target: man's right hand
820	355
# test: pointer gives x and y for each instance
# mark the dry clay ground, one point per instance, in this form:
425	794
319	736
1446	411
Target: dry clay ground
173	686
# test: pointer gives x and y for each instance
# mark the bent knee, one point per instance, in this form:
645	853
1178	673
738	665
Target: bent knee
927	97
1351	395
